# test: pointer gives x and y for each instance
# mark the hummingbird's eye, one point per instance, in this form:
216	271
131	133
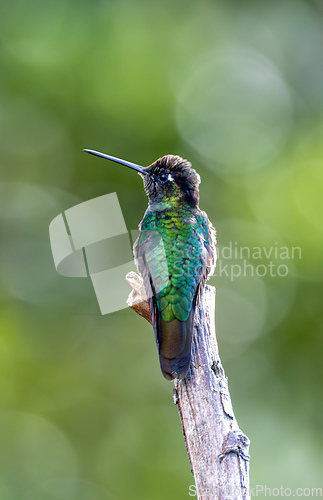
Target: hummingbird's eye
163	177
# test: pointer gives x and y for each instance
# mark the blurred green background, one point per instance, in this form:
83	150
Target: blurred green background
235	87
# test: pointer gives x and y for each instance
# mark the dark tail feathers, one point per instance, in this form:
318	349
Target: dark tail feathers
175	341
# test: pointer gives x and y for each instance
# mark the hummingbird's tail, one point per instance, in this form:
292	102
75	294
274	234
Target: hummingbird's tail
174	337
174	342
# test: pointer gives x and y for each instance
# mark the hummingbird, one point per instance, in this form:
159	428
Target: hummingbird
175	253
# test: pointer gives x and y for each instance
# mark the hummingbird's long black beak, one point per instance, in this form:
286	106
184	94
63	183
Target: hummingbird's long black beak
117	160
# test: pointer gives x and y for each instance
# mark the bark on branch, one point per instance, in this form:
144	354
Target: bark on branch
217	449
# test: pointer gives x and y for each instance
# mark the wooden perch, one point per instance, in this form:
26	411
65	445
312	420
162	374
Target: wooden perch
217	448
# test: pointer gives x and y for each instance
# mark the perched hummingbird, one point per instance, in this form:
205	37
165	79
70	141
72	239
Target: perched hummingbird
175	253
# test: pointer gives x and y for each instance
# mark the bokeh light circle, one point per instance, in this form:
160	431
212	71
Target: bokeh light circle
236	111
27	271
254	302
33	450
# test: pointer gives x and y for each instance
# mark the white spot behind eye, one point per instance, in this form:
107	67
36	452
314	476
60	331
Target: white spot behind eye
170	178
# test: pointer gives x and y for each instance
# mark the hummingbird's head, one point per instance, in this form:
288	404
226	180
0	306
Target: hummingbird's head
171	179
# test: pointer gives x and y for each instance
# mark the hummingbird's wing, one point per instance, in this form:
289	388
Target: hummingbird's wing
173	325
